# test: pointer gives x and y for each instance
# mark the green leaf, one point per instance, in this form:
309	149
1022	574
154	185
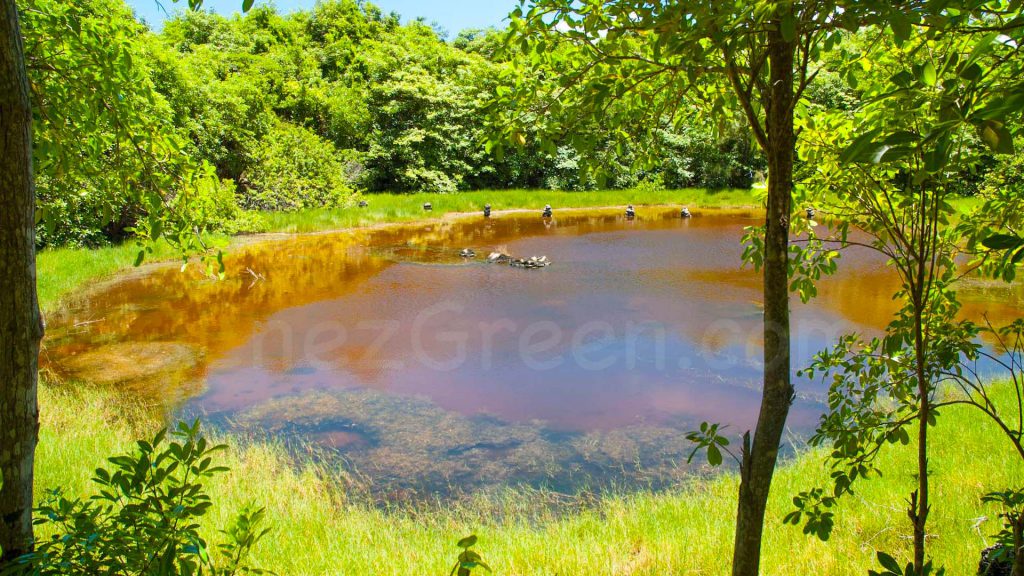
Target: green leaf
1002	242
787	27
140	257
927	74
246	5
996	136
467	541
714	455
901	27
889	563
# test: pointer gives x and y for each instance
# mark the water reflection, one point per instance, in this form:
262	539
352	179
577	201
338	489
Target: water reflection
427	370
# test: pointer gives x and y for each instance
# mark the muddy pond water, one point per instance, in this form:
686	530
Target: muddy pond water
420	370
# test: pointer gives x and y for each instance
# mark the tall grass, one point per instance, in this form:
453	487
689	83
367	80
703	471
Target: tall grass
318	529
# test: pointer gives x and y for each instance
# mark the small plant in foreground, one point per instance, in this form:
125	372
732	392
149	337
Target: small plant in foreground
1011	538
890	567
468	559
144	521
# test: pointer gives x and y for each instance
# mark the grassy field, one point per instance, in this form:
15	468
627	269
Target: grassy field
319	529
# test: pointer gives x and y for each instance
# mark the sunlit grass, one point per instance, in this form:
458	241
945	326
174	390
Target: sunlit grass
318	530
405	207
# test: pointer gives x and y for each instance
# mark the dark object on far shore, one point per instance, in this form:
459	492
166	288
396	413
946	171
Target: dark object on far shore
363	203
630	213
547	211
468	253
685	212
487	210
996	561
428	206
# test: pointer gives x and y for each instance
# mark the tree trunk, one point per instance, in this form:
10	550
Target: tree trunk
21	327
758	462
919	505
1017	524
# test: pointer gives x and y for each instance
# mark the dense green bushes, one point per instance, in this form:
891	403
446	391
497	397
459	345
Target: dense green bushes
290	111
293	168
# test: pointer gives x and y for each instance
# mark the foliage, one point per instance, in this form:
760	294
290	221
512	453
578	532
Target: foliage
294	169
144	519
933	109
468	559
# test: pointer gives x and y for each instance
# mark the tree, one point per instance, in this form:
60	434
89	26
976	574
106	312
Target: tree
21	327
937	101
635	66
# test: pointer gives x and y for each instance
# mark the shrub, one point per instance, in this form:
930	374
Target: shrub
145	518
292	169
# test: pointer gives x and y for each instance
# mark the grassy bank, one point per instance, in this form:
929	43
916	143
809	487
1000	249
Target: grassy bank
316	530
405	207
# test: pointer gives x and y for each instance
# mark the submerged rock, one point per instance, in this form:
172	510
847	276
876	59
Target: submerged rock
531	262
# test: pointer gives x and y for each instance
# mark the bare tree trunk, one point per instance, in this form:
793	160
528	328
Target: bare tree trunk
919	505
1017	524
759	459
21	327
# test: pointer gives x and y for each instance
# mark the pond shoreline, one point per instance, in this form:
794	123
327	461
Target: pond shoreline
320	528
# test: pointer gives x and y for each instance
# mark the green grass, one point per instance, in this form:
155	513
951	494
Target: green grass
317	530
405	207
62	270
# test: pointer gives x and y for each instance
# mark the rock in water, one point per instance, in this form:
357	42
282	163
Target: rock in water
498	258
531	262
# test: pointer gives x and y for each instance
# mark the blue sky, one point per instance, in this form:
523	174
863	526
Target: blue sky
452	15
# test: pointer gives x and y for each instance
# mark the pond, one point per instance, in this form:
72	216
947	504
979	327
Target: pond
418	370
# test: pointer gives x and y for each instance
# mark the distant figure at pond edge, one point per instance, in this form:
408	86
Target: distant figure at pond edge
547	211
685	213
428	206
630	213
487	210
810	213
